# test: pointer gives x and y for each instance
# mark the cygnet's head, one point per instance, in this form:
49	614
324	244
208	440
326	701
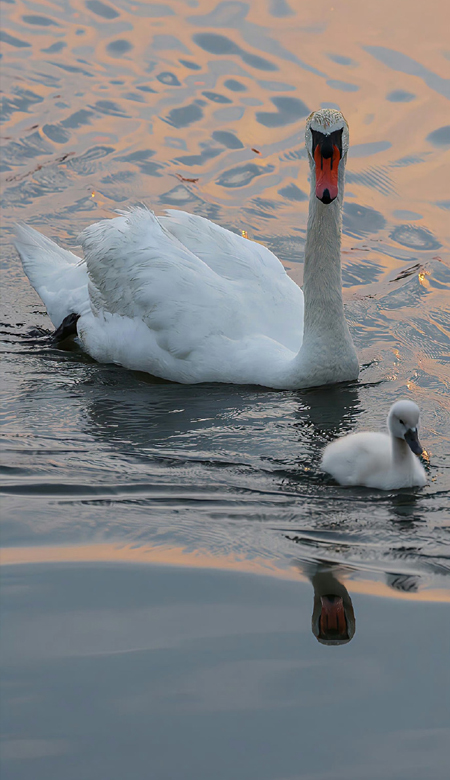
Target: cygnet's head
403	422
326	139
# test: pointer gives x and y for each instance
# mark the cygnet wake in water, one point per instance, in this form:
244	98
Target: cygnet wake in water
380	460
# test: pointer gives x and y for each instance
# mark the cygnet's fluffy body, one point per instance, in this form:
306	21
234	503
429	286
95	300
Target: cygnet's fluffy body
380	460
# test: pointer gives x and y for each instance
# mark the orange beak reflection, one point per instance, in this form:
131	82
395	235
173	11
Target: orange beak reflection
332	620
327	174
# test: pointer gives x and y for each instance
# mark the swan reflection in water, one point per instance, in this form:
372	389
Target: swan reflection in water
333	620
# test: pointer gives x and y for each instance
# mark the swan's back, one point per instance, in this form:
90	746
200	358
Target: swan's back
228	254
272	302
191	279
234	316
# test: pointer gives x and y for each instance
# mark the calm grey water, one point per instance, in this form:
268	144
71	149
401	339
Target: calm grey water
117	667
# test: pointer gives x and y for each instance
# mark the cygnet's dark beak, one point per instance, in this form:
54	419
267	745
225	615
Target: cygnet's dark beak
413	442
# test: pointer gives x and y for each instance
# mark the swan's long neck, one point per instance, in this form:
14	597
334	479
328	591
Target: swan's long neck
322	283
327	354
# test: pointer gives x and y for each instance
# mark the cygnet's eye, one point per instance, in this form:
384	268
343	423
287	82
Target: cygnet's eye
401	422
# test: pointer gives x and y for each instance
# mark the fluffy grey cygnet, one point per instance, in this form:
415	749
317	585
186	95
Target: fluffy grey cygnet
380	460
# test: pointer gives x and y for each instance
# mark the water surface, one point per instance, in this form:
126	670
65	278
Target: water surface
107	104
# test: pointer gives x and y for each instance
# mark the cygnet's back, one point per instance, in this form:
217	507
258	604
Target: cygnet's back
378	460
355	459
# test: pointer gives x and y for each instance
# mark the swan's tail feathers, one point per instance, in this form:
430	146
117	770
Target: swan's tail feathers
40	256
55	273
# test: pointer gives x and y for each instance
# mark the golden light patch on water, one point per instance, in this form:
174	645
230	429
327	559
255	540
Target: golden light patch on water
169	556
313	35
201	559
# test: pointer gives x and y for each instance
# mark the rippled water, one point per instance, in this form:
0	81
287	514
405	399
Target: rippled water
201	106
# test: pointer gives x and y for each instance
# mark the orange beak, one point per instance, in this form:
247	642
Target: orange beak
327	174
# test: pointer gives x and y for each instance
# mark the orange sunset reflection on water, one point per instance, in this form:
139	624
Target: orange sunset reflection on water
151	81
201	559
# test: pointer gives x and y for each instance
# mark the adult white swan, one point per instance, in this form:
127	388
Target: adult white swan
186	300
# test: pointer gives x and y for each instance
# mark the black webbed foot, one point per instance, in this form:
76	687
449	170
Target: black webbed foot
67	328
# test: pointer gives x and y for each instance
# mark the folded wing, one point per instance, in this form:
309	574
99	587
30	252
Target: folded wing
189	279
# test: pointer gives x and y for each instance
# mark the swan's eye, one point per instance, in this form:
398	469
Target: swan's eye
401	422
326	142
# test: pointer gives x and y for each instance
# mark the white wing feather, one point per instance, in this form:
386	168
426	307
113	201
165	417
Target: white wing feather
228	254
189	279
178	297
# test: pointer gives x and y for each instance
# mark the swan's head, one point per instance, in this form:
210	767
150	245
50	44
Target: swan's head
326	138
333	620
403	423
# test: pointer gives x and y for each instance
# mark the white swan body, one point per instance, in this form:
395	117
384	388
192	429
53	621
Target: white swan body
184	299
379	460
